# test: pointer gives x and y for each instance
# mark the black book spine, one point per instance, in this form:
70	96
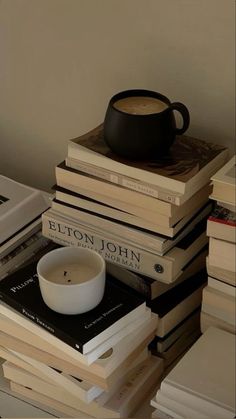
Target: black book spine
30	315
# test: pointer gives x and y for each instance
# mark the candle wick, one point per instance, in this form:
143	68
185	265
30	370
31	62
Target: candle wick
65	272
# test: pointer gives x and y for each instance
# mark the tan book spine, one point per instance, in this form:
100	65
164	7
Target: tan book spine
125	181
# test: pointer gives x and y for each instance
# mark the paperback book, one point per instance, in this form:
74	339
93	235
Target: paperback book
104	372
127	223
224	182
132	203
188	166
29	332
221	224
84	331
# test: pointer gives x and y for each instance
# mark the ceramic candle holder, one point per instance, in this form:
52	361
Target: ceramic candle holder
71	279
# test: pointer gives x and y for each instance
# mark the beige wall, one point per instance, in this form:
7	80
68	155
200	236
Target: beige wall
61	61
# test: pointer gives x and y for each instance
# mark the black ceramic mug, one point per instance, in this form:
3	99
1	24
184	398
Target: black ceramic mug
140	124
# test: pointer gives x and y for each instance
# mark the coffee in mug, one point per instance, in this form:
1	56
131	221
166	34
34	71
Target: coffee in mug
140	124
140	105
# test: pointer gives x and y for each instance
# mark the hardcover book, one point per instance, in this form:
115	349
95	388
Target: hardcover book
118	250
19	205
84	331
188	166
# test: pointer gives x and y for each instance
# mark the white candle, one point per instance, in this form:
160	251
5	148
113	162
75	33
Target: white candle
71	279
70	274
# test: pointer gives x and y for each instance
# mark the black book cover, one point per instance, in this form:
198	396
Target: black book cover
21	291
170	299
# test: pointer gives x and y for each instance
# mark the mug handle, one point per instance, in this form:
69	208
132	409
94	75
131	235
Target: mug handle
181	108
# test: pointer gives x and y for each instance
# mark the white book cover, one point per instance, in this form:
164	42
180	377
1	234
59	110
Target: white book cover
205	376
227	173
19	205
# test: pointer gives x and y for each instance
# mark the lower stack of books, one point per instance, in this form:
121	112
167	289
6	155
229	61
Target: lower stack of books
95	364
202	384
20	223
218	305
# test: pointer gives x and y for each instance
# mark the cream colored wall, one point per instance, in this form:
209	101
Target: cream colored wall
61	61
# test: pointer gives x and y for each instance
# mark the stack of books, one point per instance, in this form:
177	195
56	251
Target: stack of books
202	384
20	223
147	219
218	305
96	364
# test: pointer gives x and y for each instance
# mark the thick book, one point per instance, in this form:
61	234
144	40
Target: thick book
84	331
221	224
224	183
185	169
19	205
114	249
204	378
